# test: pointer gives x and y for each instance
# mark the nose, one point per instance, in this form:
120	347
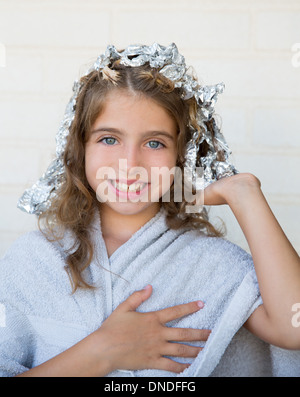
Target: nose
133	156
130	165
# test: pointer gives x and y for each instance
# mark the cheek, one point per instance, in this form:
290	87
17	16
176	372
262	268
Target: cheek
162	175
92	164
168	161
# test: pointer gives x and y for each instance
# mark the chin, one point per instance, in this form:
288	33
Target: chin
132	208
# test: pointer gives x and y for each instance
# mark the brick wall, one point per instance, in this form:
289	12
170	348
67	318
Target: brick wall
251	45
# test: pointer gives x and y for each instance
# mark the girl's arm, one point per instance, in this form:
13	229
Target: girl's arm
84	359
129	340
276	262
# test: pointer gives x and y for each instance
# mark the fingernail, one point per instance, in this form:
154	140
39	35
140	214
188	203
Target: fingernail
200	304
147	287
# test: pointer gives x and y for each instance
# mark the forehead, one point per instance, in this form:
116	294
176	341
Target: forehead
134	112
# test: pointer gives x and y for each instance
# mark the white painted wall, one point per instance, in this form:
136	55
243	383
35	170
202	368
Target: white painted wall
251	45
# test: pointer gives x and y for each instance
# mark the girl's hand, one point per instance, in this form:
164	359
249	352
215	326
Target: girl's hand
131	340
230	188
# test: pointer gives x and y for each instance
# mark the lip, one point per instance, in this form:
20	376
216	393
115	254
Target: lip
129	194
129	181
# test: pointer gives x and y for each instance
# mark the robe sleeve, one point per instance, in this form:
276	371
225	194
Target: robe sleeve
16	341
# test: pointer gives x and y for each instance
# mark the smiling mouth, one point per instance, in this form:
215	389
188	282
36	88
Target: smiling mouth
134	187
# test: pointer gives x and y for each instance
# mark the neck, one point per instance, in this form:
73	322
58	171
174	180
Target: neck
122	226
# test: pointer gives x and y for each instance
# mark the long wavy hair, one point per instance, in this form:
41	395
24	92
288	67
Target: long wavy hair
75	204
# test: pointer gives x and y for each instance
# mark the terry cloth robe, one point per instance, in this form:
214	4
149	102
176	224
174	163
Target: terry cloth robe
41	318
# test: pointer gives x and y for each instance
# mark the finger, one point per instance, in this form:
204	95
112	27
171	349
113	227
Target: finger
174	312
181	350
167	364
136	299
186	334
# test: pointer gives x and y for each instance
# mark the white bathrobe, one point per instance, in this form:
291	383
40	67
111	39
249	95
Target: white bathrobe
41	318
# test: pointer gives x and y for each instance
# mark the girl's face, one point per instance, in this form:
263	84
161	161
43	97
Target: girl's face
130	142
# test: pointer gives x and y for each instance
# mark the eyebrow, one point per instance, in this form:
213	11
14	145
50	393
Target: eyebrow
145	134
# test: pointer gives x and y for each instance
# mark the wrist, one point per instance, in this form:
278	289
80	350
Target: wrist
101	353
84	359
241	189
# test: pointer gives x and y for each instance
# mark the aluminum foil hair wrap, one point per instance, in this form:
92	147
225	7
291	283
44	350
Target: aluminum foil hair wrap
171	64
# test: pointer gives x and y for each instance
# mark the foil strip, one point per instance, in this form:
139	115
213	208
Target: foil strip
171	64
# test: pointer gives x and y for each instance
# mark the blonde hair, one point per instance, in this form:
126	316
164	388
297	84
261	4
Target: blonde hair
75	204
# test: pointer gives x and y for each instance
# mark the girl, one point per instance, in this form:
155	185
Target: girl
125	278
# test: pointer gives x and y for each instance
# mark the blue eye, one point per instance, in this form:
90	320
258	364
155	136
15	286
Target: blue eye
155	144
108	141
